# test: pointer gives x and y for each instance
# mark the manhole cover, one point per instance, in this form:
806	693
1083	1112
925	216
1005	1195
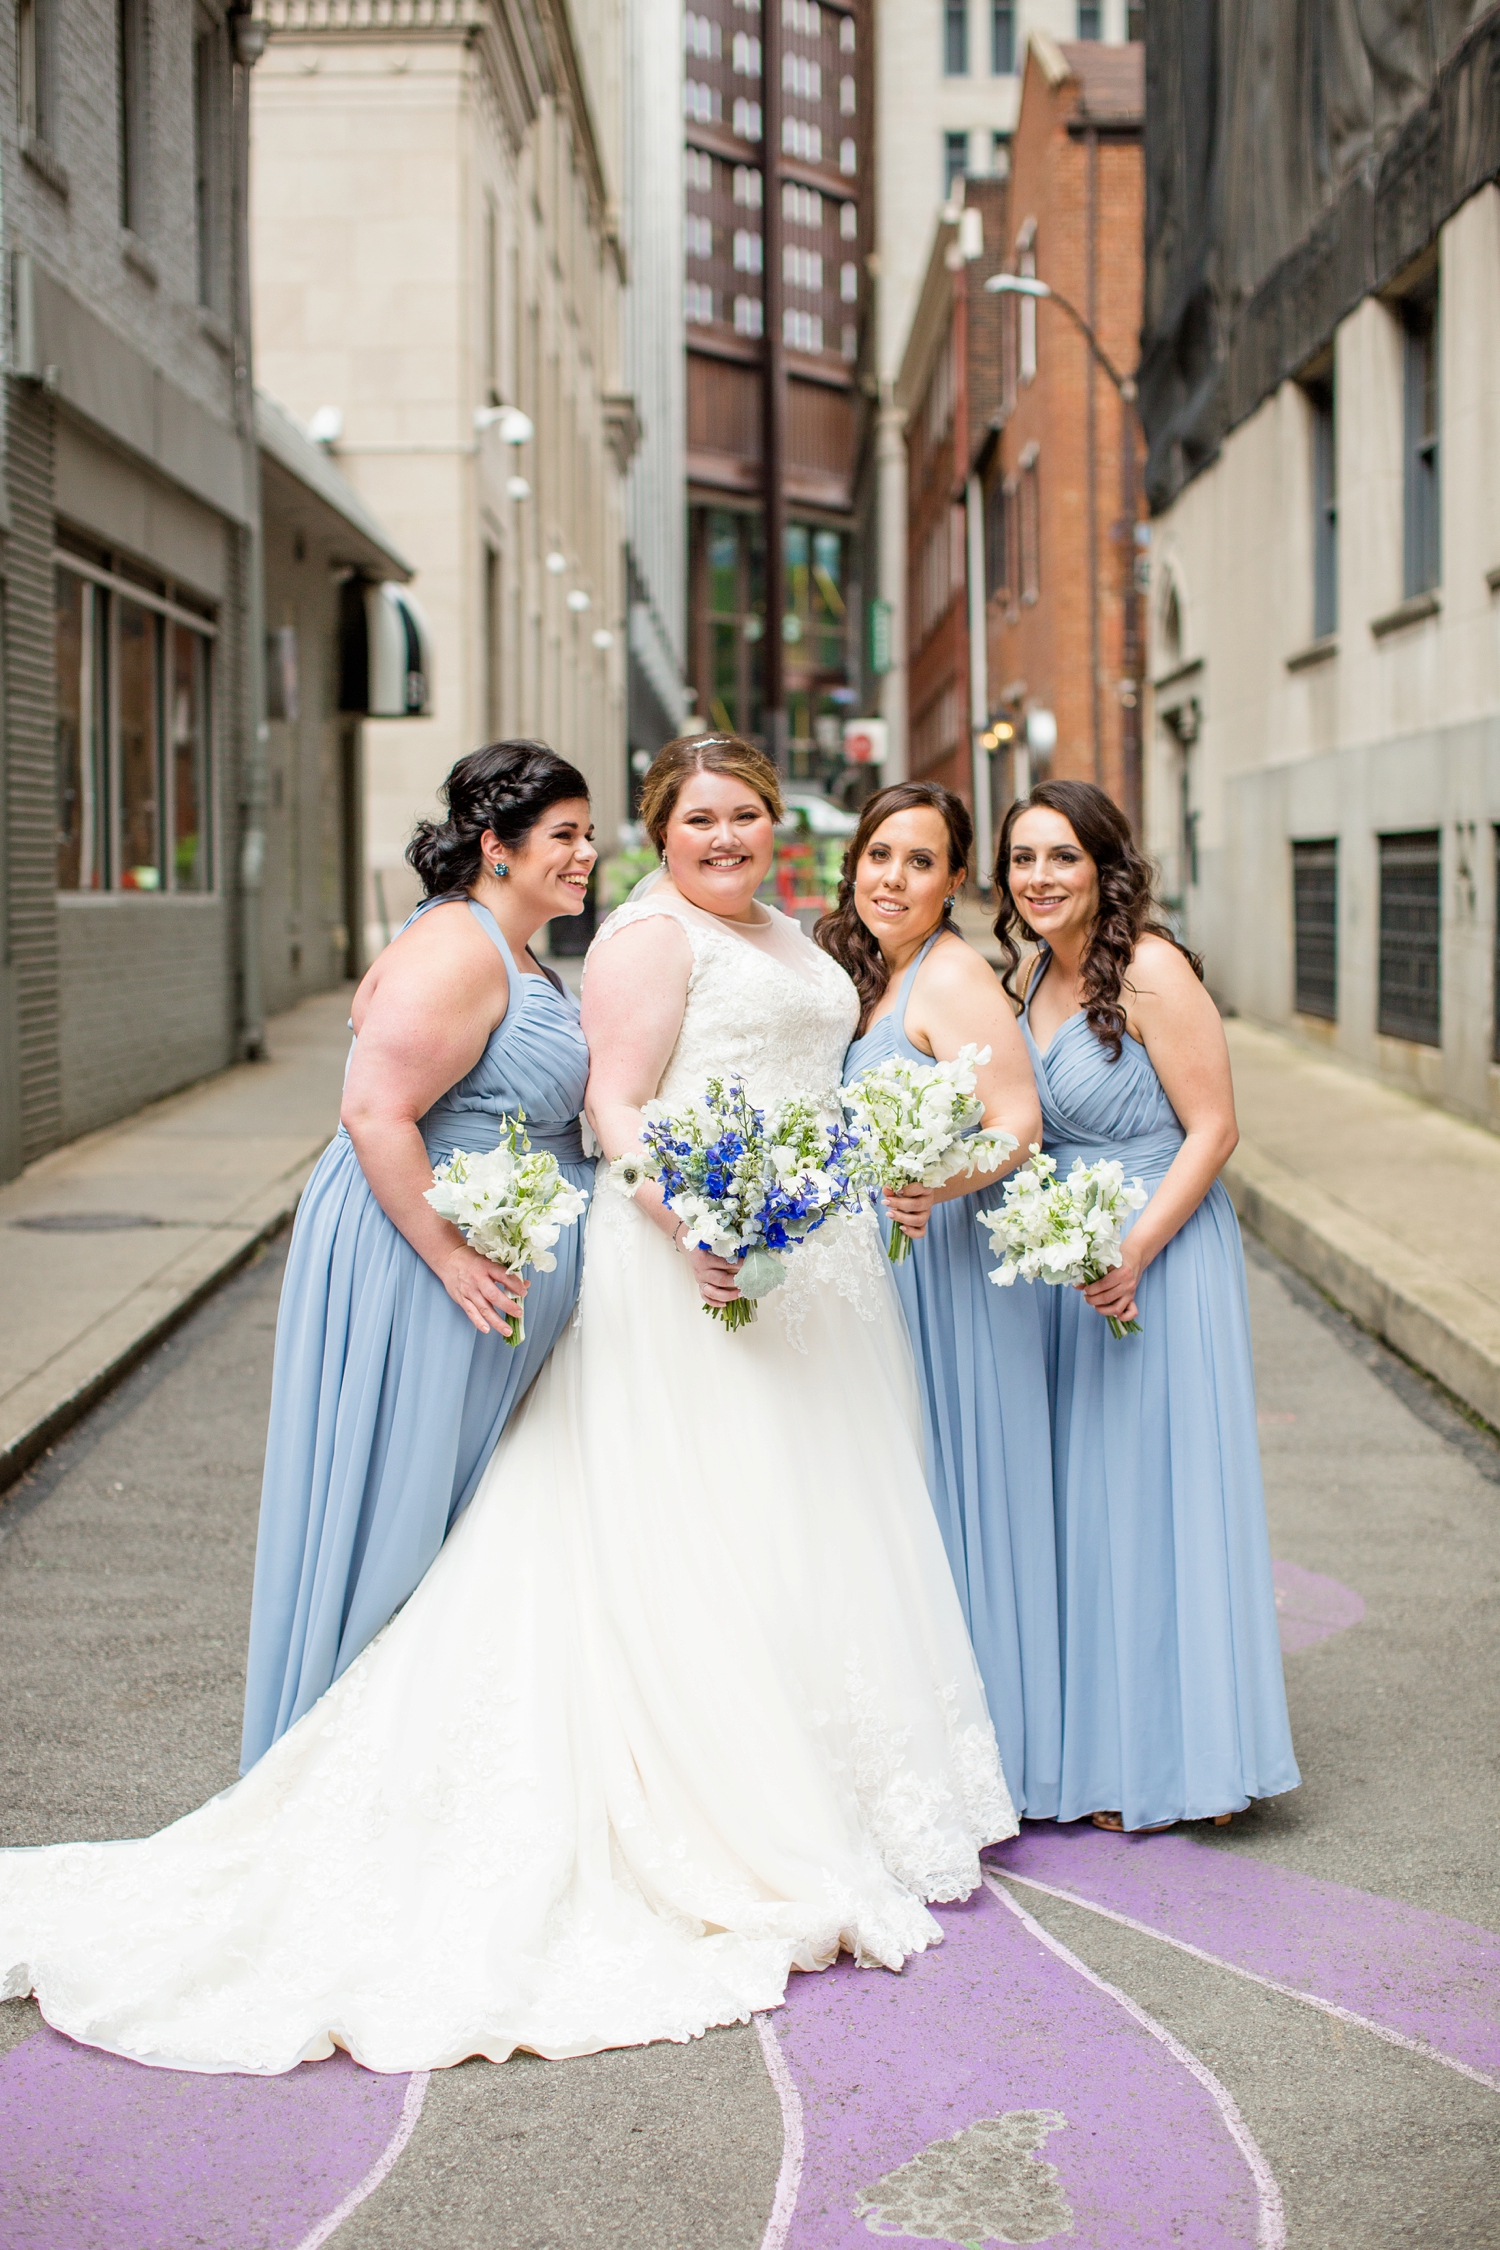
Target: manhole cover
85	1222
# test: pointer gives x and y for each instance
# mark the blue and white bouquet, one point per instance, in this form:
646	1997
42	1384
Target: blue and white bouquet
750	1184
1066	1232
511	1203
916	1121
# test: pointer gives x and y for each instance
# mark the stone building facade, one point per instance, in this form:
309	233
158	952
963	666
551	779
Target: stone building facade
1324	777
158	882
437	238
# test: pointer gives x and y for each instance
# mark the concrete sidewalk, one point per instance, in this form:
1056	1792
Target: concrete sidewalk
108	1242
1390	1206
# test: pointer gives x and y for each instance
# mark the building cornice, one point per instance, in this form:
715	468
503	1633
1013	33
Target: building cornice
526	46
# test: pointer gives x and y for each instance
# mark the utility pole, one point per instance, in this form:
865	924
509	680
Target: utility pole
773	438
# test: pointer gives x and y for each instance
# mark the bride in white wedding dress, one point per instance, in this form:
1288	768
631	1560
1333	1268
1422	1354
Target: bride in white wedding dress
684	1703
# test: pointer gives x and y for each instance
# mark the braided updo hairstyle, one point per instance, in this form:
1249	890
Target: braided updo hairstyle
1127	907
506	787
841	933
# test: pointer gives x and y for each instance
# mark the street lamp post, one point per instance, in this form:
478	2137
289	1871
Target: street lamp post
1027	285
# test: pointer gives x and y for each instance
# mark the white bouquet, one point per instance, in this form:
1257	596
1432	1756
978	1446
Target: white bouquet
750	1186
511	1203
1065	1232
915	1119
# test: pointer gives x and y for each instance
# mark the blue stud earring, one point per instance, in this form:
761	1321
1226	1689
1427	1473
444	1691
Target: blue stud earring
501	867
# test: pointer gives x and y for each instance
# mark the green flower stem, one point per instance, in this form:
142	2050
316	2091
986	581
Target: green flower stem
899	1246
1124	1327
517	1328
737	1314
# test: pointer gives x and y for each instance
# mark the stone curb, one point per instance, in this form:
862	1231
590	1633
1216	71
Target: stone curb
1438	1323
61	1393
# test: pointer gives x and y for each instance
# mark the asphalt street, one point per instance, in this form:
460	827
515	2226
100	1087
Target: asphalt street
1286	2032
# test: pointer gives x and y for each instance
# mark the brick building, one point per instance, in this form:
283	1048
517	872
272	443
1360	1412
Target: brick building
1063	475
947	391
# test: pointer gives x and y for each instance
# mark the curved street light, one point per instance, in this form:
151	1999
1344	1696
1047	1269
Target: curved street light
1027	285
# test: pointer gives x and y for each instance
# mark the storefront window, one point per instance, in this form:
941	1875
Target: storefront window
139	750
133	734
187	706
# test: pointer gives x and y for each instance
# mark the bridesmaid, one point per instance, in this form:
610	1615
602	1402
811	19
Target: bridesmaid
393	1374
1173	1702
925	993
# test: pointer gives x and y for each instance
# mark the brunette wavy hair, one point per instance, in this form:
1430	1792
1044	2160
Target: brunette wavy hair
841	933
704	753
506	788
1128	910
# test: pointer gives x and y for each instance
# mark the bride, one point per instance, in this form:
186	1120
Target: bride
684	1703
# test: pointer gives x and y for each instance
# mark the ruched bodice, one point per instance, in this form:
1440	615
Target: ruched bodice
536	1059
1093	1106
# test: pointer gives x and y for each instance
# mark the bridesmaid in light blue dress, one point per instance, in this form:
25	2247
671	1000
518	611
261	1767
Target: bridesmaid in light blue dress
394	1375
980	1351
1173	1702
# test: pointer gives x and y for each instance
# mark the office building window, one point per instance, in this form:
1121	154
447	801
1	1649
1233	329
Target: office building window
1090	20
1002	38
1411	918
134	713
130	110
35	89
1135	20
210	144
1423	542
1325	509
1315	917
956	38
1030	542
955	159
493	676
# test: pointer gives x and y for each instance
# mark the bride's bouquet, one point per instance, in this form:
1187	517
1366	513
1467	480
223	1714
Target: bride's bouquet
750	1184
510	1202
915	1120
1063	1231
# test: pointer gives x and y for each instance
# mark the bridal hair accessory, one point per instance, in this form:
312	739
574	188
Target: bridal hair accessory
917	1122
750	1185
1066	1232
511	1203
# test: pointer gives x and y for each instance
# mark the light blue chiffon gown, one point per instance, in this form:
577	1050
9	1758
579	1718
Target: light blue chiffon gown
386	1401
982	1371
1173	1702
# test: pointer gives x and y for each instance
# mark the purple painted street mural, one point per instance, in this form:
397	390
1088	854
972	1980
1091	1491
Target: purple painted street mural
992	2026
1310	1607
996	2091
101	2154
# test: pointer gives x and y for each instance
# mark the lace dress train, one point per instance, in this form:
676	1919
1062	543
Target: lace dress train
685	1702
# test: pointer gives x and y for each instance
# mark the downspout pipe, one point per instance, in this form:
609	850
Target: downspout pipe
979	687
248	33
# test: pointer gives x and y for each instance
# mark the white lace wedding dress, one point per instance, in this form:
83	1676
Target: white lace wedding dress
685	1702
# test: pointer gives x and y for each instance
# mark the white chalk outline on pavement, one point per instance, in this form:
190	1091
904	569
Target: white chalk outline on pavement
1270	2232
1384	2031
411	2110
789	2178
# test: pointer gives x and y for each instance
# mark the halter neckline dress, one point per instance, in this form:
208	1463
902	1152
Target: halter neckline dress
1174	1707
386	1402
982	1372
